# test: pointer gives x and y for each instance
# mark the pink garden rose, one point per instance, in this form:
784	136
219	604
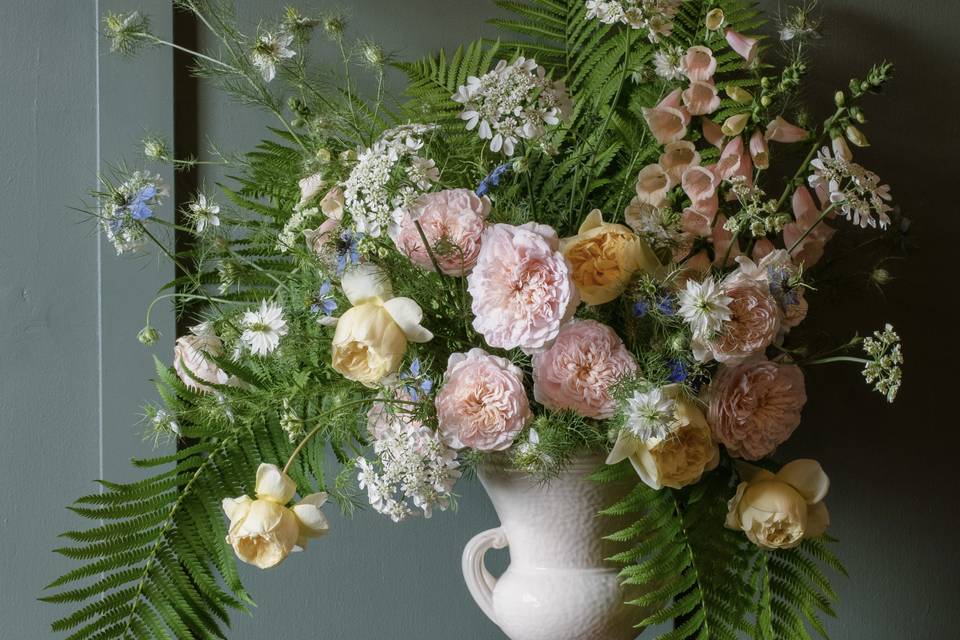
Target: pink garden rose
755	406
754	324
191	361
453	222
522	287
482	404
579	369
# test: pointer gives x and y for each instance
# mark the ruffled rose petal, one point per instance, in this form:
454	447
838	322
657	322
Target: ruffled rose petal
273	484
807	477
408	315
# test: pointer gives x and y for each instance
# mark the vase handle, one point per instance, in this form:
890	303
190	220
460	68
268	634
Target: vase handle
479	581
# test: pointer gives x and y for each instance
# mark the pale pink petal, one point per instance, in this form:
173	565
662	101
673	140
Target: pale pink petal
701	98
699	63
779	130
712	132
745	46
759	150
699	183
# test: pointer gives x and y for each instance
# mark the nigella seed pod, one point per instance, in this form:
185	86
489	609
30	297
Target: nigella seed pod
148	335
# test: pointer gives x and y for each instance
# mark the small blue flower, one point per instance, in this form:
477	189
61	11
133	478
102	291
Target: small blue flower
414	384
666	306
781	289
347	251
640	308
138	206
324	302
678	371
493	180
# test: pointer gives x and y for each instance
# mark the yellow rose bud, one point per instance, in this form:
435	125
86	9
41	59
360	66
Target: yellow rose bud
677	459
715	19
777	511
604	257
734	125
368	344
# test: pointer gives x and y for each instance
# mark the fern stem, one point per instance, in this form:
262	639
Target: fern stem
326	414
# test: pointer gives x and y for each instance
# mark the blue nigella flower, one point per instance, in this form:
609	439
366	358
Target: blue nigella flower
347	251
666	306
640	308
780	287
324	302
493	180
414	385
138	207
678	371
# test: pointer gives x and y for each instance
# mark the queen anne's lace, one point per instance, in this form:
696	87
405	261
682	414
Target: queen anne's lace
413	468
856	191
512	102
653	16
387	178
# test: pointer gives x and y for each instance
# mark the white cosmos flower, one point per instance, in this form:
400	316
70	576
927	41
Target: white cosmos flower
705	307
650	414
263	328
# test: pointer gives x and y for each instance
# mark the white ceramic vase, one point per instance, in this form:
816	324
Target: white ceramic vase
558	586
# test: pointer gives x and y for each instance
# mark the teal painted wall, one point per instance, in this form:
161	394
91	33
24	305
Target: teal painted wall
74	376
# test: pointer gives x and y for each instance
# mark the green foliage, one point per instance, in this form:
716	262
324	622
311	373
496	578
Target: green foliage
711	581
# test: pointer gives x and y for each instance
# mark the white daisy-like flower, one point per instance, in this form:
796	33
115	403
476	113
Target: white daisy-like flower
269	50
263	328
705	307
204	213
650	414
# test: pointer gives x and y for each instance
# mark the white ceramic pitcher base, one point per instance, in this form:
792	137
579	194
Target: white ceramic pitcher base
558	586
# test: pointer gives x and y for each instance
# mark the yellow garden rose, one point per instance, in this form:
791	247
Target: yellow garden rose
604	257
263	531
676	460
777	511
371	337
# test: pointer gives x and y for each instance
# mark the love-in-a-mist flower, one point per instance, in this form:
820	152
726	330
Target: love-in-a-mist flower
482	404
263	530
127	206
269	50
681	454
579	369
204	213
780	510
263	328
705	307
522	287
372	335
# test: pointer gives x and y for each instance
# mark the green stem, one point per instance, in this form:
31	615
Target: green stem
196	54
426	245
838	359
326	414
823	216
806	161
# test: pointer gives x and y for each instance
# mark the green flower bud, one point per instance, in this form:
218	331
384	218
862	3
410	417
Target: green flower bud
148	335
839	98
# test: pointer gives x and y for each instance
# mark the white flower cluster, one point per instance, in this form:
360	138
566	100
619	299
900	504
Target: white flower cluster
653	16
514	101
650	415
668	63
413	466
288	236
883	372
388	177
856	190
126	207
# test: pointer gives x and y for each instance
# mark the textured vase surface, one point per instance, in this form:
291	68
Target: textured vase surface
558	585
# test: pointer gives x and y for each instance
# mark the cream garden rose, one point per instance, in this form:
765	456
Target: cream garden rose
264	531
604	257
192	362
676	460
778	511
371	337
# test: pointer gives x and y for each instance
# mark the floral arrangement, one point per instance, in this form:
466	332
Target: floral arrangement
604	236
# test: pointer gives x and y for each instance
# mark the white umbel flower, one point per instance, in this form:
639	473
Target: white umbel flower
263	328
705	307
650	414
512	102
856	191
